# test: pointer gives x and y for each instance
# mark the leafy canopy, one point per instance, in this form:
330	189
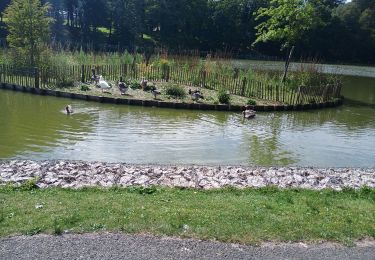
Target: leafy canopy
29	28
286	21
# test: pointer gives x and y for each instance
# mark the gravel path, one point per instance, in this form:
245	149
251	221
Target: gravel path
118	246
77	174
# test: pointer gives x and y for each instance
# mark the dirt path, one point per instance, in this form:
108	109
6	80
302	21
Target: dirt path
119	246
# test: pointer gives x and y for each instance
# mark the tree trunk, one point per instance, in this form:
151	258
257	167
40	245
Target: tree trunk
287	62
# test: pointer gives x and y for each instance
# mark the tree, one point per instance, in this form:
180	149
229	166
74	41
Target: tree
128	21
3	5
28	26
286	21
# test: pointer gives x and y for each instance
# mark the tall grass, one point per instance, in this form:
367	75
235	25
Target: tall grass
307	74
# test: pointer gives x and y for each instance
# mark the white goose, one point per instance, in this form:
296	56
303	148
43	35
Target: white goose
103	84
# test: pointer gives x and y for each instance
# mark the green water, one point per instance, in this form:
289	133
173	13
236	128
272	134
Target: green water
35	127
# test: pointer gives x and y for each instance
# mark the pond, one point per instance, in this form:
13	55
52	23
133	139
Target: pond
35	127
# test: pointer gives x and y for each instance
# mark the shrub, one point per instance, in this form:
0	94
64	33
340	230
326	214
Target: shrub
85	88
29	185
64	82
251	102
134	84
175	91
223	96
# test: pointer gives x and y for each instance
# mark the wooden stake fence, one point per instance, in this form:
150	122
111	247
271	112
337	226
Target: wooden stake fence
236	84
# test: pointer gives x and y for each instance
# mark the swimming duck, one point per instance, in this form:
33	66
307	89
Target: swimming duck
69	109
248	113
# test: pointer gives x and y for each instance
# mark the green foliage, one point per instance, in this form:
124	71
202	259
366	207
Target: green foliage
134	84
29	185
251	102
57	230
63	81
175	91
286	21
160	211
85	88
223	96
144	190
28	26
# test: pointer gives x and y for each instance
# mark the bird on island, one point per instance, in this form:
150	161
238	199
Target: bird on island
195	95
69	109
155	92
123	88
144	83
103	84
94	78
248	113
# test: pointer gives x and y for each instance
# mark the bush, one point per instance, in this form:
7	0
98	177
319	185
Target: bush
134	84
85	88
64	82
29	185
251	102
223	96
175	91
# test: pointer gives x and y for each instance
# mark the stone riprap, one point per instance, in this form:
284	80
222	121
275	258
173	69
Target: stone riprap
78	174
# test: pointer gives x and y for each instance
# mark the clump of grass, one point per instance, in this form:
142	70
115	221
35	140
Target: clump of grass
28	185
62	81
175	91
57	230
223	96
134	84
85	88
251	102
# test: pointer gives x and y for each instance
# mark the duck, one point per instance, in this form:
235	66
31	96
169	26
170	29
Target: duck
195	95
155	92
69	109
103	84
248	113
123	87
94	77
144	83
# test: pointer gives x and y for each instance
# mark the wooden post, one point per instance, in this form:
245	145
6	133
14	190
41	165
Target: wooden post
204	76
277	92
244	81
298	95
167	73
325	93
2	72
36	77
83	73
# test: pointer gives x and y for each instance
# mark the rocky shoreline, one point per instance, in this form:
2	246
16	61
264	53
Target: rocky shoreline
78	174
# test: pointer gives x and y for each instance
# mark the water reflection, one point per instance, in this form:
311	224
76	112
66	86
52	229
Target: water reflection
35	127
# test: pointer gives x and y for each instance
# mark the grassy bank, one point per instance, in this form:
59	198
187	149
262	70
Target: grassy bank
210	96
245	216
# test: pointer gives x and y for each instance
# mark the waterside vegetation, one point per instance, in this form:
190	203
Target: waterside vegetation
247	216
62	70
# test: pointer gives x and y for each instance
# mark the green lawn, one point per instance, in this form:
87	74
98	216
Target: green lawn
244	216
